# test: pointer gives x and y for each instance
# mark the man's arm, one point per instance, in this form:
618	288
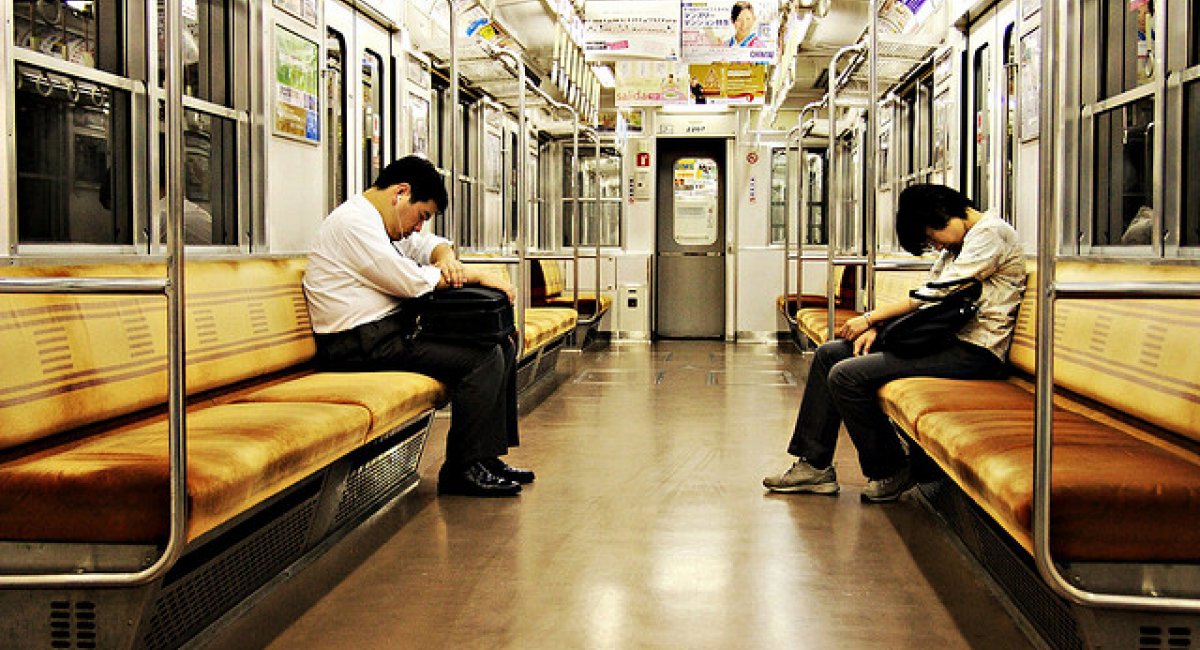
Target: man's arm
454	272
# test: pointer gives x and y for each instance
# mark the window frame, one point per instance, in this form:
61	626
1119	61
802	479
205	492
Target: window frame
1166	89
139	64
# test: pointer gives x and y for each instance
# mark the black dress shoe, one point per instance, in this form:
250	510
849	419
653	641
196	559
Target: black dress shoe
504	470
476	481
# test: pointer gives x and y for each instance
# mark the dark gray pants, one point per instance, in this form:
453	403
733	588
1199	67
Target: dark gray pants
844	388
482	379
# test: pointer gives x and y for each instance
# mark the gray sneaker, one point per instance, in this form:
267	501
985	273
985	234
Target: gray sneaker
890	488
802	477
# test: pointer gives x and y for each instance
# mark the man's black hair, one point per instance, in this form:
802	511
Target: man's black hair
423	179
737	9
926	206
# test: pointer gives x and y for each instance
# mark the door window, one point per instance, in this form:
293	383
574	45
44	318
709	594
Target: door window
695	201
372	124
335	116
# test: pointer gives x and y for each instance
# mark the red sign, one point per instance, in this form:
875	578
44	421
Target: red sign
752	157
643	159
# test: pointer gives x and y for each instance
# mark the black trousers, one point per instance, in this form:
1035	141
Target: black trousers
481	378
844	388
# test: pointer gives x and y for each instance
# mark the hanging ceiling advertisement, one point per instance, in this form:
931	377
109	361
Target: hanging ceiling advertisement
624	29
722	50
729	32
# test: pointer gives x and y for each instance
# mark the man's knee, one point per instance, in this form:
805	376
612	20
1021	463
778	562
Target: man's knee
845	378
832	352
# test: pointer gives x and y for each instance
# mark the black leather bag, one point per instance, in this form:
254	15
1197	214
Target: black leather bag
931	326
461	315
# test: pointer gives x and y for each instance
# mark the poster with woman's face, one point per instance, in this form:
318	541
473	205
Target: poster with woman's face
744	31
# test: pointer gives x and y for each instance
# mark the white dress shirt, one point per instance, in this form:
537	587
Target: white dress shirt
992	253
357	275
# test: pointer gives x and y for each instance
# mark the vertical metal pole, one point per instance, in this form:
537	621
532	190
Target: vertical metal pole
596	220
787	221
9	70
871	151
176	325
453	226
1159	142
1048	186
575	213
834	210
522	197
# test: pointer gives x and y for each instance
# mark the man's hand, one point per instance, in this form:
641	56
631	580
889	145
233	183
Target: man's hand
853	328
453	271
862	344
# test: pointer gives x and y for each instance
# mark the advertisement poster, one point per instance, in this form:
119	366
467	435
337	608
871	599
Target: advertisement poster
418	113
903	16
1029	99
305	10
296	82
620	121
728	83
651	83
624	29
734	32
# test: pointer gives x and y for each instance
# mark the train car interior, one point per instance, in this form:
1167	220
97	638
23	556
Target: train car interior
694	208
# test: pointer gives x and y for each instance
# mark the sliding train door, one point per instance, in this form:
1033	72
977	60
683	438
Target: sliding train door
358	92
988	89
690	250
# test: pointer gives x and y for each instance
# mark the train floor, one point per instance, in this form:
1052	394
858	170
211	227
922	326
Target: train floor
647	527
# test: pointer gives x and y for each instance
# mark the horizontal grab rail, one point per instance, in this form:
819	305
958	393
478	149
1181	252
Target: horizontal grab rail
84	285
490	260
1099	290
837	261
559	256
903	266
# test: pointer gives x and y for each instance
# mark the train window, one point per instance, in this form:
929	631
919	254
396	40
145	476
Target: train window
1191	160
89	34
1194	59
981	171
464	211
1126	54
210	180
1009	105
515	160
372	116
335	117
597	177
817	196
780	194
206	47
418	115
694	205
923	131
1124	175
72	145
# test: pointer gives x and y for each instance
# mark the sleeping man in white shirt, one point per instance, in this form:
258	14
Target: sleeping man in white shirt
368	257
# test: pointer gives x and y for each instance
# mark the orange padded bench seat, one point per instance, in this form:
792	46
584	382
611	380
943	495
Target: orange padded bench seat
83	442
112	486
814	322
890	286
548	288
1126	476
546	324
